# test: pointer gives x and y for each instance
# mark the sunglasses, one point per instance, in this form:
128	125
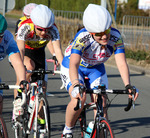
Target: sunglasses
40	28
1	35
102	33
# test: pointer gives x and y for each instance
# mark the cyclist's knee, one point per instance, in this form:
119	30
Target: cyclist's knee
29	63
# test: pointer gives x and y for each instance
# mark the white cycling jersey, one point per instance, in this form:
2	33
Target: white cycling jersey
92	53
8	45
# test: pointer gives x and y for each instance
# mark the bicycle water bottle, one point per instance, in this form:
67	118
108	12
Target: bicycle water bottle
89	129
31	104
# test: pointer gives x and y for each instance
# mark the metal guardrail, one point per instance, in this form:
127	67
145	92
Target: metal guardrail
136	31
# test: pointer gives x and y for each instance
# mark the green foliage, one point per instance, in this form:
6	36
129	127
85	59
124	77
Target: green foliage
71	5
138	54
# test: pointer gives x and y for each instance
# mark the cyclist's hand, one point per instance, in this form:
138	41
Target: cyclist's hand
55	60
131	88
77	89
24	84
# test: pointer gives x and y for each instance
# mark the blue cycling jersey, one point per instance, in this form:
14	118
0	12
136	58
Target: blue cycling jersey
8	45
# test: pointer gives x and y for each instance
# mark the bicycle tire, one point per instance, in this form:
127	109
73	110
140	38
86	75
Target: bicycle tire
3	129
104	131
47	127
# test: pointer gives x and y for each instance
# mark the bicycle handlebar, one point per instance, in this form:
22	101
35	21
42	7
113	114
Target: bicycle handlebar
110	91
7	87
44	71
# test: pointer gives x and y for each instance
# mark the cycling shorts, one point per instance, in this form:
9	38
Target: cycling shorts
38	56
96	74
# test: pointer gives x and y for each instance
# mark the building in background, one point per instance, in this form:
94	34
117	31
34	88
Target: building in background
144	4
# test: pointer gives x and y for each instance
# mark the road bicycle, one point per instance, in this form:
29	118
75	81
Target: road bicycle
101	127
28	123
3	128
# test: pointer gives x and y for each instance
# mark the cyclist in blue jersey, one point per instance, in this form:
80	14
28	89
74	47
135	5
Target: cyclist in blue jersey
9	47
85	56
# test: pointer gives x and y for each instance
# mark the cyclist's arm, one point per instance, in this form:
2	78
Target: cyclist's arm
21	46
50	47
18	65
73	68
123	67
58	50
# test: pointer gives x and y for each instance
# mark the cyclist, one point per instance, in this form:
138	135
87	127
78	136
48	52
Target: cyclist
85	56
32	37
9	47
26	12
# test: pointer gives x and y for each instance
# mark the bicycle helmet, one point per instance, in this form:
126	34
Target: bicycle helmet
96	18
3	24
42	16
28	8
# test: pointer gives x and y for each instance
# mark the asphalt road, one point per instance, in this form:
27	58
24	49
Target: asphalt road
132	124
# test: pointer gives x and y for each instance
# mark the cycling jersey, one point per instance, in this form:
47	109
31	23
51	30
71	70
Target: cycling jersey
92	53
19	22
8	45
26	32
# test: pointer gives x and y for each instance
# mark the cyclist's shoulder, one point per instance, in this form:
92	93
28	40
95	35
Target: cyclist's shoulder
27	22
8	36
82	36
26	26
21	20
115	32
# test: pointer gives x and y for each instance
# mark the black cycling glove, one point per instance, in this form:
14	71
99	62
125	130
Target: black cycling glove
55	59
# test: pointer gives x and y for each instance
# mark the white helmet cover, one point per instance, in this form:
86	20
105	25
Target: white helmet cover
96	18
28	8
42	16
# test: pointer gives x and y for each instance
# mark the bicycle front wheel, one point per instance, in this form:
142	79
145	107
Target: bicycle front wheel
103	130
80	127
42	130
3	129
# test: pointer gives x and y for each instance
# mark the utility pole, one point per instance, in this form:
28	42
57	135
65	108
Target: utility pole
4	6
104	3
115	9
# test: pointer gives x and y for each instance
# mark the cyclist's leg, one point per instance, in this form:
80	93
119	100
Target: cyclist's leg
98	76
71	114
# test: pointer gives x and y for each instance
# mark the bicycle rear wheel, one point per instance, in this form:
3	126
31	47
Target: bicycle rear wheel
103	130
3	129
43	131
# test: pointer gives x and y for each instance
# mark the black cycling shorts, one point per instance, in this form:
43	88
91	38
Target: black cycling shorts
38	56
